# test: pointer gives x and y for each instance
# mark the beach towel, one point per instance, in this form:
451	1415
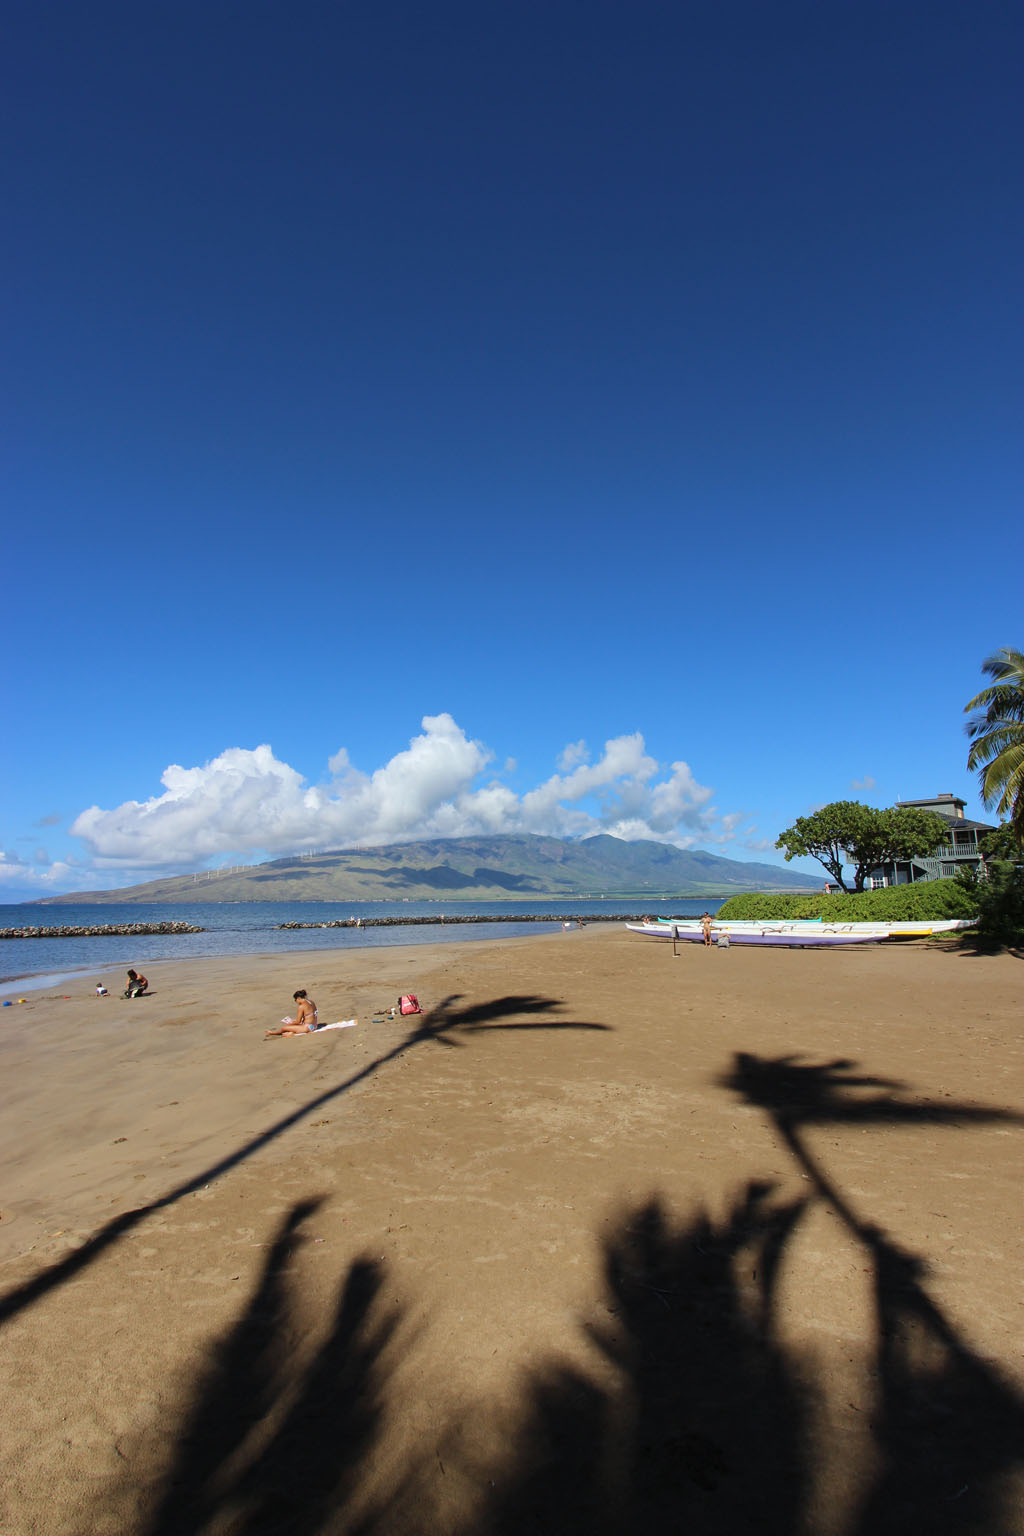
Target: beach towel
343	1024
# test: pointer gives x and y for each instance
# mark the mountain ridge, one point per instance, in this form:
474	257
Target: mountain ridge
467	869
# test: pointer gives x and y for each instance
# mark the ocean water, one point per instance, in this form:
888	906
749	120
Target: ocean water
250	928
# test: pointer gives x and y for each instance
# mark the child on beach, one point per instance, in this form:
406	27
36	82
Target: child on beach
307	1022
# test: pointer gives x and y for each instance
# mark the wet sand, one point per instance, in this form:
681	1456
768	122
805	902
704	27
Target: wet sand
609	1239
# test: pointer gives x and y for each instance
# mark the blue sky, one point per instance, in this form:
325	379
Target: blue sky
552	417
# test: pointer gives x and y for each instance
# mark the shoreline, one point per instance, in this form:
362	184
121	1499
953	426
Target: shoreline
35	981
277	928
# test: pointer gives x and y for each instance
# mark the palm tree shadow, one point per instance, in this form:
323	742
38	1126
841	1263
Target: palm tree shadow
948	1426
446	1022
707	1428
701	1419
271	1440
797	1093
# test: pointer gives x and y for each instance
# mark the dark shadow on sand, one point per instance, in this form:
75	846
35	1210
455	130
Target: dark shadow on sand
443	1025
714	1426
707	1430
703	1420
272	1437
948	1426
973	946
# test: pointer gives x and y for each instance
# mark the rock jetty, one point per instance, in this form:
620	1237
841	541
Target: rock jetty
504	917
119	930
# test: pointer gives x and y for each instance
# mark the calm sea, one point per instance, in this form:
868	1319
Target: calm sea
249	928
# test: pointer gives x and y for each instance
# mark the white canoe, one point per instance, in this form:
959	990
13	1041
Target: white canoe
906	929
782	940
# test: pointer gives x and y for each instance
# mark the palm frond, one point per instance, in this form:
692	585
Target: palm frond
996	731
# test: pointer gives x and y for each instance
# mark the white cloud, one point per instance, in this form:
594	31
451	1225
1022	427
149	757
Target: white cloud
23	882
248	802
572	755
867	782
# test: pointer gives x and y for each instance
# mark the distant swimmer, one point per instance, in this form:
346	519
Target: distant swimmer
136	985
307	1022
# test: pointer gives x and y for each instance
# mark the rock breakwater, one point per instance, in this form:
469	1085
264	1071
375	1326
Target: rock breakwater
100	930
504	917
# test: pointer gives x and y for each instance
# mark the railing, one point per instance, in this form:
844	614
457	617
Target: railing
956	851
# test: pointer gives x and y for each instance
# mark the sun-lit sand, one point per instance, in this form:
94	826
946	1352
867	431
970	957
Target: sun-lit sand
609	1239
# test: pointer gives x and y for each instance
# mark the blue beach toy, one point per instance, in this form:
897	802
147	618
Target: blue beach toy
8	1003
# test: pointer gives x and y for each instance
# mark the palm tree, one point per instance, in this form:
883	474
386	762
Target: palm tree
996	730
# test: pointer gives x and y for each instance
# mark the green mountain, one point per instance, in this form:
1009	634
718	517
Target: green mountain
472	869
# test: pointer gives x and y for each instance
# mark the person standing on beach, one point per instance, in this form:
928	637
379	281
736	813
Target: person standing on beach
135	985
307	1021
705	928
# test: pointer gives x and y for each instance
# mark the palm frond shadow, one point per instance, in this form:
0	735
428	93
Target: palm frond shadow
700	1416
442	1024
795	1093
949	1427
270	1438
446	1022
707	1429
716	1422
705	1419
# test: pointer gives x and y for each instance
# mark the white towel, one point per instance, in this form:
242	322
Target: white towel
344	1024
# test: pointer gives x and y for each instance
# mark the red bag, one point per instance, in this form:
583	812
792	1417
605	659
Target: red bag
409	1003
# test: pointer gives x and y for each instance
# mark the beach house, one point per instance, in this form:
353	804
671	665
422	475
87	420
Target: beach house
959	851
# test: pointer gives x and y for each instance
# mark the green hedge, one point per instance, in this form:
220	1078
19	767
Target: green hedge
1000	902
897	903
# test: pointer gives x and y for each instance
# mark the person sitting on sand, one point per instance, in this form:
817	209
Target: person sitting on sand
307	1022
136	985
705	928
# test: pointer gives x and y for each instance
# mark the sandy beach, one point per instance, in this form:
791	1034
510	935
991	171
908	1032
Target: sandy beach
608	1239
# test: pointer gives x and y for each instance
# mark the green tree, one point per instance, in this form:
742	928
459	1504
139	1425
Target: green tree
998	895
996	729
1004	842
847	832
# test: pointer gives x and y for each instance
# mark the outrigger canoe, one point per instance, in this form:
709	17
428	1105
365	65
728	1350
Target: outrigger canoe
904	930
784	940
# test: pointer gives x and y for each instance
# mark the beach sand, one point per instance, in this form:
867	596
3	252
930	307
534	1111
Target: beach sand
608	1240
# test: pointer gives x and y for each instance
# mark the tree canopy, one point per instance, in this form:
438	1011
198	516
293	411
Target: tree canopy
1003	842
847	832
996	729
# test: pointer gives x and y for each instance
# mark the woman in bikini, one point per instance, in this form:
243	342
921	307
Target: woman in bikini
307	1022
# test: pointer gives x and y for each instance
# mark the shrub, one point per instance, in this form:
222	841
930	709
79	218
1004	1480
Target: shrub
1000	902
927	900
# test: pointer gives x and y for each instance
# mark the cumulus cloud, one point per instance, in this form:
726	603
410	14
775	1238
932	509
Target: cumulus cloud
571	756
23	881
247	801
